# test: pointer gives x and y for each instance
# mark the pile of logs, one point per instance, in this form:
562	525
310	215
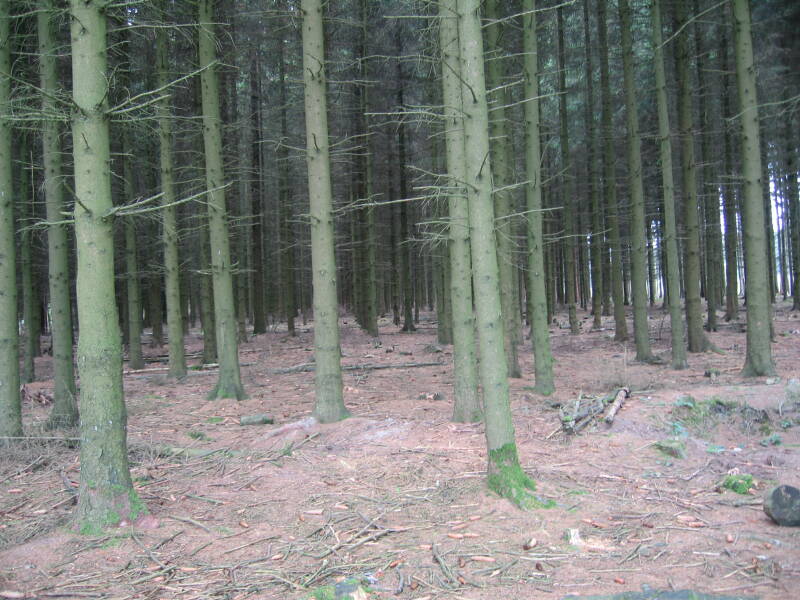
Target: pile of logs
586	409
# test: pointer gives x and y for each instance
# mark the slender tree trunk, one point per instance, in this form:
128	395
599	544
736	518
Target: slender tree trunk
793	199
759	351
537	287
466	407
286	208
505	475
370	283
65	407
29	303
729	192
670	228
641	329
329	406
10	407
404	241
257	252
610	189
502	174
229	383
177	357
596	238
697	340
134	292
568	183
106	495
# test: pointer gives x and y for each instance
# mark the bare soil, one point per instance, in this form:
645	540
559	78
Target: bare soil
396	495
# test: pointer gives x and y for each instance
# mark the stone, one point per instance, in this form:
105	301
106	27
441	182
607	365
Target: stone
782	505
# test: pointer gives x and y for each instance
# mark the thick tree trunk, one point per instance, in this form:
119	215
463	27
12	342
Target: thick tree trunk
10	408
670	228
759	351
229	383
329	405
537	286
65	407
641	329
106	495
466	407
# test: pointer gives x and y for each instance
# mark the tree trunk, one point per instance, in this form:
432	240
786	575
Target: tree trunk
537	286
503	175
329	405
29	303
65	407
466	407
641	329
10	407
697	341
177	358
596	238
229	383
793	198
106	495
610	189
505	475
567	178
670	228
759	350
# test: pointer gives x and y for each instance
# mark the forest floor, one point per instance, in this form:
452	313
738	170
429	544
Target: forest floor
396	495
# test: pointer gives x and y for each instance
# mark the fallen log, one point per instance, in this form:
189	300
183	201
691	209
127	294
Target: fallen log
307	367
258	419
620	397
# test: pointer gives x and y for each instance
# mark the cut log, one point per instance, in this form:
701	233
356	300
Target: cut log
259	419
616	404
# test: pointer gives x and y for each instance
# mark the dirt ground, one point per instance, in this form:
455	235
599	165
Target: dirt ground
395	495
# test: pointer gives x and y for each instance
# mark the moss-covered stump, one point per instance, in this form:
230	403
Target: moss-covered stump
509	480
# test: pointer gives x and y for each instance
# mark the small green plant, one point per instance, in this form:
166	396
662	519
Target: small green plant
215	420
198	435
740	484
772	440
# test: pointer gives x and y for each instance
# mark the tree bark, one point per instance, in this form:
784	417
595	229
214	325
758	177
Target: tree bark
10	407
505	475
65	407
641	329
466	407
229	383
609	188
670	228
329	405
177	357
567	179
537	286
106	495
759	351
